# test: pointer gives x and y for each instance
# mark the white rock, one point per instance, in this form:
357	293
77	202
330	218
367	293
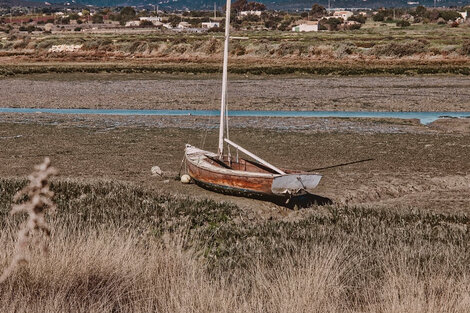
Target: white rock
156	171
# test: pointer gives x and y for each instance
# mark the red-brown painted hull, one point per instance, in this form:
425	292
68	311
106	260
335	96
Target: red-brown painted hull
244	177
229	182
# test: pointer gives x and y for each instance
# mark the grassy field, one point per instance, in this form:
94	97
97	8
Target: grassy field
375	49
118	248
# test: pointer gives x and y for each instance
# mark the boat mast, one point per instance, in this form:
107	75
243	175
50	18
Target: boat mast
224	81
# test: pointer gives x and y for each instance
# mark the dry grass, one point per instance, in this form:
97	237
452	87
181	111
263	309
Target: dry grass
422	49
118	248
38	202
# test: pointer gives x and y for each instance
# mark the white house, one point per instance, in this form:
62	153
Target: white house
345	15
183	25
154	19
245	13
210	24
309	26
133	24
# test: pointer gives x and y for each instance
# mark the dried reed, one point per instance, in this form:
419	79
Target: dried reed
39	201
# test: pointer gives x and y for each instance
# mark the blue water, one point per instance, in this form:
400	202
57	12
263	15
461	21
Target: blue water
424	117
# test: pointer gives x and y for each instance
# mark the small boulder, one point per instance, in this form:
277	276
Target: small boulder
156	171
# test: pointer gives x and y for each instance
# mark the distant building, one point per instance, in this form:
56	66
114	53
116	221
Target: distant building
133	24
408	17
309	26
345	15
183	25
210	24
464	15
246	13
154	19
167	25
65	48
158	24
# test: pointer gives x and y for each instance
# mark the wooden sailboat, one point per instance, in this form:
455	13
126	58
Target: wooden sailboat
224	173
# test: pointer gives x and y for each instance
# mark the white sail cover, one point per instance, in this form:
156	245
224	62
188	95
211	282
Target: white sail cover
295	183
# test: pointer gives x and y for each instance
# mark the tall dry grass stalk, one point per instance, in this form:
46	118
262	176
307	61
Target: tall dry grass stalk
39	201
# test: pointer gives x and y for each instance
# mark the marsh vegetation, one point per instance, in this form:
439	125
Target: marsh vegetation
118	248
378	49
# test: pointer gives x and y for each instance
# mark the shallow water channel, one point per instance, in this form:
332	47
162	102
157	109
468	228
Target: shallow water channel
424	117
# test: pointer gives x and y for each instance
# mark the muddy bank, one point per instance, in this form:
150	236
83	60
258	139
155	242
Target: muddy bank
419	167
153	91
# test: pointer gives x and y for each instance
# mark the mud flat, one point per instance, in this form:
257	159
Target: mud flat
384	163
154	91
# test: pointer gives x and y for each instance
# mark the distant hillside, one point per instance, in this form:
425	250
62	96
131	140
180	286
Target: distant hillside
22	3
271	4
41	4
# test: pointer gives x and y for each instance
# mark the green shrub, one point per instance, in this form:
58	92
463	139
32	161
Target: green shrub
449	15
403	23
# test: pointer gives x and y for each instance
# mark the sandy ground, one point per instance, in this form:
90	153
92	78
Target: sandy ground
151	91
396	165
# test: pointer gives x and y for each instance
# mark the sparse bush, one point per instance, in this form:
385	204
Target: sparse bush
146	23
344	49
358	18
379	16
403	23
212	46
238	49
449	15
331	24
44	44
216	29
97	19
466	47
399	50
21	44
353	26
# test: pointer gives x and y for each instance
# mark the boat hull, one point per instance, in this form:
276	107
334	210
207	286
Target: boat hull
253	181
231	184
